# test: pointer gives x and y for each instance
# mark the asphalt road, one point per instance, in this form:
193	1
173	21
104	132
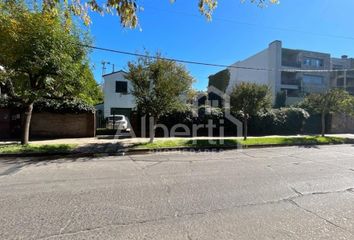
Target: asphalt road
274	193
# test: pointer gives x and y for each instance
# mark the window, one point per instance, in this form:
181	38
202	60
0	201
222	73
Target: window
121	87
313	62
340	82
313	80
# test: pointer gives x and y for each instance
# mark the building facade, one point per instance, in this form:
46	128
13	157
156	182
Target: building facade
295	72
118	99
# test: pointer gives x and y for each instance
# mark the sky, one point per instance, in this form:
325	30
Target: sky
237	31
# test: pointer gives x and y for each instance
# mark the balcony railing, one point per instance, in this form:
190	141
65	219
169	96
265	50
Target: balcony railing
288	63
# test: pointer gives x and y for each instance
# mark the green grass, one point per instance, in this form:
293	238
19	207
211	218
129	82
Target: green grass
277	141
36	148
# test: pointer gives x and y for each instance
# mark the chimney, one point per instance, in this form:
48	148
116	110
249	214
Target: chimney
344	56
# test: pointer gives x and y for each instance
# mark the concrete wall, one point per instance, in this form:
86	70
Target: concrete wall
341	123
260	60
268	63
113	99
54	125
274	65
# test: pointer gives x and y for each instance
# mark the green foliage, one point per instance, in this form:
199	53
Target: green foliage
88	89
159	85
206	112
220	80
62	106
177	117
280	99
52	105
331	101
234	143
125	9
249	98
41	58
279	121
36	148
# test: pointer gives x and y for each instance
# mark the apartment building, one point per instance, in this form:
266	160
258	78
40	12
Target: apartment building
296	72
340	76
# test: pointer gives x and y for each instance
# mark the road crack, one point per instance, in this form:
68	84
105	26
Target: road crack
170	217
318	216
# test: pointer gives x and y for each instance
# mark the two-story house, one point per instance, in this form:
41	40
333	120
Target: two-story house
118	99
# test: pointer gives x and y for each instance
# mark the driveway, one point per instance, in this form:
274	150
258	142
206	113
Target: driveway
273	193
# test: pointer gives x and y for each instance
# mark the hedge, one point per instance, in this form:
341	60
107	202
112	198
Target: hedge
278	121
52	105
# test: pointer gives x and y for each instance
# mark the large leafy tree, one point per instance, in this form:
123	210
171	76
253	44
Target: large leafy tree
125	9
247	99
332	101
159	86
40	57
86	88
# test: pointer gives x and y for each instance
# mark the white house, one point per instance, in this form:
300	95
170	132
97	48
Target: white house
118	99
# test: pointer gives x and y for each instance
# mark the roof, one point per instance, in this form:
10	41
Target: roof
122	71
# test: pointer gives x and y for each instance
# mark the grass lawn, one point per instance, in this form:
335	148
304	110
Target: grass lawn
277	141
36	148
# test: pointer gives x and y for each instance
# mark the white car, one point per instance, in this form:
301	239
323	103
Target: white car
118	122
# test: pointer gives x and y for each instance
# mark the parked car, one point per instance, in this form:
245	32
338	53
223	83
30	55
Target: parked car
118	122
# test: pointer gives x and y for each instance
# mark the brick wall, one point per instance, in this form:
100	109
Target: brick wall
63	125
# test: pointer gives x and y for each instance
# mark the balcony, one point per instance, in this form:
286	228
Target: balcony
287	63
290	58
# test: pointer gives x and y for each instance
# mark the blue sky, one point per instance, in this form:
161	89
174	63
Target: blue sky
237	31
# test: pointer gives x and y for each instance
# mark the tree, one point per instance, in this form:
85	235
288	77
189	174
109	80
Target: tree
331	101
41	58
125	9
220	80
159	87
280	99
87	89
247	99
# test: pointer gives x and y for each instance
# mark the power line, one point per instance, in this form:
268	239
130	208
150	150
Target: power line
172	59
213	64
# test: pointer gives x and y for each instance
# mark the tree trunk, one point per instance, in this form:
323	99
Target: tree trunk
245	128
323	124
152	122
26	124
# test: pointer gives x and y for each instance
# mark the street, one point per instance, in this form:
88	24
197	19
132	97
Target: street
270	193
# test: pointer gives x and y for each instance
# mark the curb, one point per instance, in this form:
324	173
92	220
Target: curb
221	148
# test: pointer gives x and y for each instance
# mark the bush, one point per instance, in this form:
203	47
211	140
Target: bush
280	99
206	113
278	121
52	105
62	106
